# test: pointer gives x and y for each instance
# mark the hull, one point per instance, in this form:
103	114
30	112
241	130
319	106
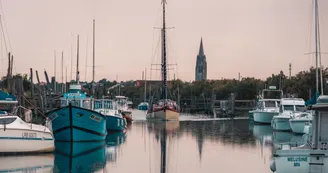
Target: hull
115	123
128	116
264	117
298	125
250	115
80	157
143	107
25	141
163	115
280	124
300	161
75	124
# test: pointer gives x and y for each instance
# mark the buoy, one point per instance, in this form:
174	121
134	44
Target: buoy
273	166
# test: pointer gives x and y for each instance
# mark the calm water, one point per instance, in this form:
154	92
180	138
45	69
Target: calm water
195	144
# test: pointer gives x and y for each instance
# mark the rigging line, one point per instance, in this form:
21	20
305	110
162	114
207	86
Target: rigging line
308	42
5	26
86	61
3	34
319	46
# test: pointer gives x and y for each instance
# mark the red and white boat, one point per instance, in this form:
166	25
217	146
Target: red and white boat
164	110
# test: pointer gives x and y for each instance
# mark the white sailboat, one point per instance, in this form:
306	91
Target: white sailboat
164	109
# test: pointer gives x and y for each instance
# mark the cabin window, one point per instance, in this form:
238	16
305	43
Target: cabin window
289	107
75	103
7	120
269	104
300	108
280	108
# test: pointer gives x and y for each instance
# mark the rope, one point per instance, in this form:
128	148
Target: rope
35	107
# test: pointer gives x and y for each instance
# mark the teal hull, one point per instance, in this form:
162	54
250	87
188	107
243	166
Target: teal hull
143	107
75	124
115	123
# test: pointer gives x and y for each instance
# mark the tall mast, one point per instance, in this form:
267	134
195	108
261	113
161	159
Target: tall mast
93	56
77	61
145	85
316	43
55	83
164	92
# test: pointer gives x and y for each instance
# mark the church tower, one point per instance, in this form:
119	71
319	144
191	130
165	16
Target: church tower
201	64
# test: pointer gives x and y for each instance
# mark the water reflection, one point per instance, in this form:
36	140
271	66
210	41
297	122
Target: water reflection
187	146
79	157
37	164
113	141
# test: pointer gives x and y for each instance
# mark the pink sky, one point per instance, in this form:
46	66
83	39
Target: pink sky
253	37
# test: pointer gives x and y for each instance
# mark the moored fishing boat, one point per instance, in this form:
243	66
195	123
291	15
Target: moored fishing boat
289	107
76	121
114	119
123	107
143	106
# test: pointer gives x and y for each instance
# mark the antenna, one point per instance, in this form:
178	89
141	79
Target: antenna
93	55
55	83
62	71
290	70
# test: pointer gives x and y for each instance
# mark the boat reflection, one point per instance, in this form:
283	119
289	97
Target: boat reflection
113	142
37	164
79	156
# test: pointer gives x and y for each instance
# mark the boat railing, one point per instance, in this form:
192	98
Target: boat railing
289	145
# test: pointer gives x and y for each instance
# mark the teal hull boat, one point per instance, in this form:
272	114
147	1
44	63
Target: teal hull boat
76	124
114	120
143	106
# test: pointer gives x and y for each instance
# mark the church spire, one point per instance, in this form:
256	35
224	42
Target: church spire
201	49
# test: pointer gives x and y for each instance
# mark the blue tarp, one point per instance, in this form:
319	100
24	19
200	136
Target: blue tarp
313	100
7	96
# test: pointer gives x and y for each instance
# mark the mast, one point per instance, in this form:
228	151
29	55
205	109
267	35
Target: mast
145	85
93	56
77	61
316	43
164	73
55	83
62	72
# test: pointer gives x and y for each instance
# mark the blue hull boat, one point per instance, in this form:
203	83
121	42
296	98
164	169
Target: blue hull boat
76	124
114	120
143	107
115	123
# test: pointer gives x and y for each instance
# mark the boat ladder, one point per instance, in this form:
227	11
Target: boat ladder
316	163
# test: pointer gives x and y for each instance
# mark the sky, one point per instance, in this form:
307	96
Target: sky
255	37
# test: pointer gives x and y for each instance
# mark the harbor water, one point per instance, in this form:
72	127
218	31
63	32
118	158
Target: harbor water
196	143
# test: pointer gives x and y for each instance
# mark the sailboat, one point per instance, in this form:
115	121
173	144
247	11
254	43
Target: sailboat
76	121
312	156
164	109
144	105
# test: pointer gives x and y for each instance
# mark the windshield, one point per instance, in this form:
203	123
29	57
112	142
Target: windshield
270	104
7	120
289	107
300	108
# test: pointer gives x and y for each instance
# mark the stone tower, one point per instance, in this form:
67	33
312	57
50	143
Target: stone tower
201	64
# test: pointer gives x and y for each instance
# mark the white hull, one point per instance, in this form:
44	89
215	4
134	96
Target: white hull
162	115
264	117
297	125
298	161
280	123
15	141
37	164
16	136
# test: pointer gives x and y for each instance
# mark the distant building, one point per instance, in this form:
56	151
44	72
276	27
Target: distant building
201	64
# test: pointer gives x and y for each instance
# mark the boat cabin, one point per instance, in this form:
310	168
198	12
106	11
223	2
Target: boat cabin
268	103
319	124
76	97
292	104
8	103
272	93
